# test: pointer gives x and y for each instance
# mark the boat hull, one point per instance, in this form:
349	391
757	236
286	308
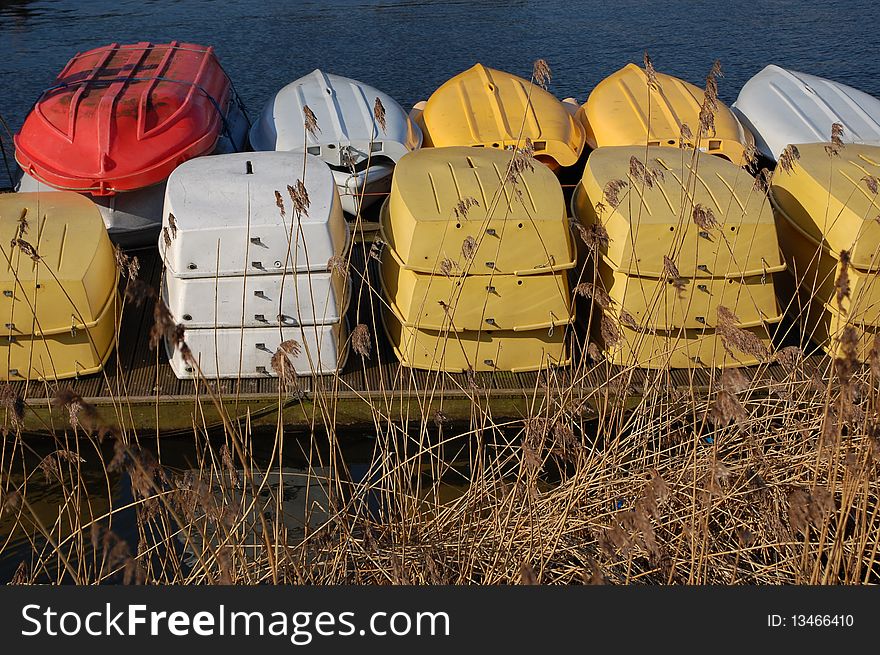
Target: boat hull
358	191
122	117
234	215
817	270
134	218
657	303
678	348
649	222
781	106
307	298
475	302
247	352
494	109
493	351
829	197
626	110
455	204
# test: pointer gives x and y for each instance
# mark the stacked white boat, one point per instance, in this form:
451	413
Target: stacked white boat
248	242
359	131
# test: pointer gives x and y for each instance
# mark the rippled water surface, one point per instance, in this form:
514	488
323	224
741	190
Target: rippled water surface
409	47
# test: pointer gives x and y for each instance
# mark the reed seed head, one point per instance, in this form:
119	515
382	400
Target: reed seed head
644	174
842	284
650	73
311	121
299	196
379	114
541	73
836	145
463	206
468	248
788	157
704	218
609	331
611	192
361	341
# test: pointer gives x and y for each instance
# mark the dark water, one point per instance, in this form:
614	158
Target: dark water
409	47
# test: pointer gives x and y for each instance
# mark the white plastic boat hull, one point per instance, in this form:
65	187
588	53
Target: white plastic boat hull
248	352
348	131
782	106
134	218
360	190
227	218
259	300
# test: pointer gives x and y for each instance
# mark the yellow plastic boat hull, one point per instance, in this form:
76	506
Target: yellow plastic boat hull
816	270
829	197
624	110
61	355
76	274
475	302
651	221
507	228
823	323
682	348
658	304
493	109
456	352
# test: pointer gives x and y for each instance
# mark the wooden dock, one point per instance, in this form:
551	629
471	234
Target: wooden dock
138	391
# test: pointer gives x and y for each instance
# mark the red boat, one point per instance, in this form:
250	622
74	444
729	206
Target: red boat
122	117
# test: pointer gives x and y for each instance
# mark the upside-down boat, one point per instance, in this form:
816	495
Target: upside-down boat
475	267
248	268
625	109
826	202
358	130
59	304
119	119
685	239
782	107
424	221
488	108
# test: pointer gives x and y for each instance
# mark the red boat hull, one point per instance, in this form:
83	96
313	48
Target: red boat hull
122	117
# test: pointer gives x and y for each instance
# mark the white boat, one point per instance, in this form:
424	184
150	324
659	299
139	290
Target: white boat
233	215
134	218
784	107
235	352
348	135
307	298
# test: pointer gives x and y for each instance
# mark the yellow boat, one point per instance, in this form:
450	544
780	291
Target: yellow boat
475	302
658	303
657	219
816	270
493	350
678	348
489	108
455	210
625	110
59	304
833	199
823	323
